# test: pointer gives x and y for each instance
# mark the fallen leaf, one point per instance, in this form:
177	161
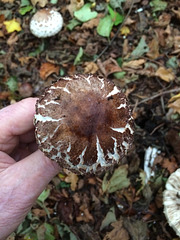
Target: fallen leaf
165	74
153	49
135	64
84	215
109	218
117	181
84	14
177	12
93	22
163	20
170	164
125	30
119	232
47	69
7	1
71	178
175	106
141	48
74	5
90	67
41	3
137	229
25	60
12	25
175	97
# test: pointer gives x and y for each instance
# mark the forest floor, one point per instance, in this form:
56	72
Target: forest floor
136	44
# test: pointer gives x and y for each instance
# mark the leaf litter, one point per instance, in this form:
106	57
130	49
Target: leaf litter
138	47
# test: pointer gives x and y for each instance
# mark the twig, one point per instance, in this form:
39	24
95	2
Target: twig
158	95
116	34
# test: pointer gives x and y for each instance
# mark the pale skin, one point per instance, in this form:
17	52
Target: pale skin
24	170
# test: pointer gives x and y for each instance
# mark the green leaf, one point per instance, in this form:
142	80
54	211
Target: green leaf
73	23
85	14
44	195
116	3
65	232
45	232
119	75
105	26
109	218
53	1
158	5
25	3
117	181
116	17
172	63
141	48
26	9
12	84
79	56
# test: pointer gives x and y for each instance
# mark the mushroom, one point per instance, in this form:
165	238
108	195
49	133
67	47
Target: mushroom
171	201
84	123
46	23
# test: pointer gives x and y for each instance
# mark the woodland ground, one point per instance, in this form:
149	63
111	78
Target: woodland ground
140	55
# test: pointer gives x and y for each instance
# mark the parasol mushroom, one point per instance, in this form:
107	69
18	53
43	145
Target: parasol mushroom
84	123
46	23
171	201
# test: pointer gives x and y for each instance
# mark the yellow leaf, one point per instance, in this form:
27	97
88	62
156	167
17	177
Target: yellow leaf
125	30
12	25
174	97
165	74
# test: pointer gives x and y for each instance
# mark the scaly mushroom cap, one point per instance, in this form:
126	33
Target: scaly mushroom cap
171	200
46	23
84	123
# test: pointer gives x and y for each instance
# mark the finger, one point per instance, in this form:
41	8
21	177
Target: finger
25	179
16	119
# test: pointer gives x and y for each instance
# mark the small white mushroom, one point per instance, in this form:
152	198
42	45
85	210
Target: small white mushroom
171	200
46	23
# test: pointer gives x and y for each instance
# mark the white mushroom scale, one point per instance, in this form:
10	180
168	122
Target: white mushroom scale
171	200
84	122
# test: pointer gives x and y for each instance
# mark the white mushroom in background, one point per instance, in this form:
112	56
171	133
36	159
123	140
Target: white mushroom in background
46	23
171	200
84	123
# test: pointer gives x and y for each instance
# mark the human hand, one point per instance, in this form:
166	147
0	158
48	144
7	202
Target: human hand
24	170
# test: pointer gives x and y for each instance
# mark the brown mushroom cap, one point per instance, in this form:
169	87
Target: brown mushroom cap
84	123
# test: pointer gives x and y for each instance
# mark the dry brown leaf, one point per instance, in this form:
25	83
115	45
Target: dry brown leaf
7	1
135	64
118	232
41	3
85	215
71	178
163	20
93	22
90	67
153	49
25	60
74	5
177	12
171	166
165	74
175	106
47	69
